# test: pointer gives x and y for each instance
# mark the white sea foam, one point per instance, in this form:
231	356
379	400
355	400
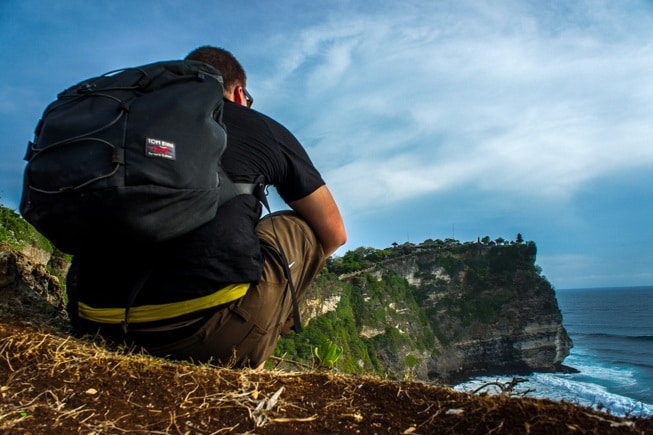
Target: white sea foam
562	387
624	376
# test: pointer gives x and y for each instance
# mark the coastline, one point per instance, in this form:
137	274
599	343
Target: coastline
611	362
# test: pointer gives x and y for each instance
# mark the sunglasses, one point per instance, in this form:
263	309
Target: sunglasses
248	98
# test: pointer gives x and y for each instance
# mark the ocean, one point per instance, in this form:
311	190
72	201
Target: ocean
612	331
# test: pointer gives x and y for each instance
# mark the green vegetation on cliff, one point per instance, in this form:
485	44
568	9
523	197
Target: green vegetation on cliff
18	233
381	318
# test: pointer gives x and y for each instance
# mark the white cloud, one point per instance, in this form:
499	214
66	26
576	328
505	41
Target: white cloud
409	104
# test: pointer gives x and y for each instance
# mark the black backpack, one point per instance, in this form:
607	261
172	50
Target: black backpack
129	156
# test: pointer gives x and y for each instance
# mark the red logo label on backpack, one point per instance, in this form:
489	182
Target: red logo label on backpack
159	148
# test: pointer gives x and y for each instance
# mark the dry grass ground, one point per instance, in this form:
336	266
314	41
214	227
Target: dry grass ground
50	383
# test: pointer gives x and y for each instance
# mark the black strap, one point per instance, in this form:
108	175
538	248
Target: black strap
228	189
293	291
136	289
259	192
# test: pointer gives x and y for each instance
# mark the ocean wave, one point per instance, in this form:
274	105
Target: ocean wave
625	375
617	336
642	337
612	334
592	395
563	388
632	363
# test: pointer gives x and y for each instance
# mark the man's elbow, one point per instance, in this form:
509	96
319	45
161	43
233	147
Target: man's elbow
336	240
342	239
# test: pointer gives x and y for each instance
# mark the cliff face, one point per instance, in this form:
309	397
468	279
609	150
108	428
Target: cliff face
494	314
28	287
468	311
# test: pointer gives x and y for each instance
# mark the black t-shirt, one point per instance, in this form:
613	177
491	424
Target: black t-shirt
226	249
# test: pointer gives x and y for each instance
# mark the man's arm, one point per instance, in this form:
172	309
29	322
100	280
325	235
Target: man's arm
320	211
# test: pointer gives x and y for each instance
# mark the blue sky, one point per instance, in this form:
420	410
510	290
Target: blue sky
428	119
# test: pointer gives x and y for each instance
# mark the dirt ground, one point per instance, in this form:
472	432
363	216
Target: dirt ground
51	383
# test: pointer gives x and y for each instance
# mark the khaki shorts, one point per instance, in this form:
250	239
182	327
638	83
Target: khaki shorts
245	332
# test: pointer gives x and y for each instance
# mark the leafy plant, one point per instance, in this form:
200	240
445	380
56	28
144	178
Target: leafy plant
327	354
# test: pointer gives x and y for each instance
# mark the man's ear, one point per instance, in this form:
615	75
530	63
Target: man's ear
239	95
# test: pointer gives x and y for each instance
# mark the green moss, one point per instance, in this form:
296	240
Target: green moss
18	233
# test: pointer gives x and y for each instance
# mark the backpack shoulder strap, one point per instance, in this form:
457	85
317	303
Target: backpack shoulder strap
229	189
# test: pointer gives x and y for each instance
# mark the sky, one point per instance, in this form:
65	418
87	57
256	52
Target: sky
427	119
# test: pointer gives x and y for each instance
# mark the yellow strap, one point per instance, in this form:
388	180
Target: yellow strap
152	313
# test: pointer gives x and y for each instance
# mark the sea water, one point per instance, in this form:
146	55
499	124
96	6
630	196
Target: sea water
612	331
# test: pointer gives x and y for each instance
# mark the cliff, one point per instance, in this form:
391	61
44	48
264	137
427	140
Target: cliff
445	313
30	285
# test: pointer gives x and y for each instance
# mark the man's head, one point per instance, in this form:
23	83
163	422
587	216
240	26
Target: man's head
233	74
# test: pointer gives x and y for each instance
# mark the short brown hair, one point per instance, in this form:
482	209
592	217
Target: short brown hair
232	71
